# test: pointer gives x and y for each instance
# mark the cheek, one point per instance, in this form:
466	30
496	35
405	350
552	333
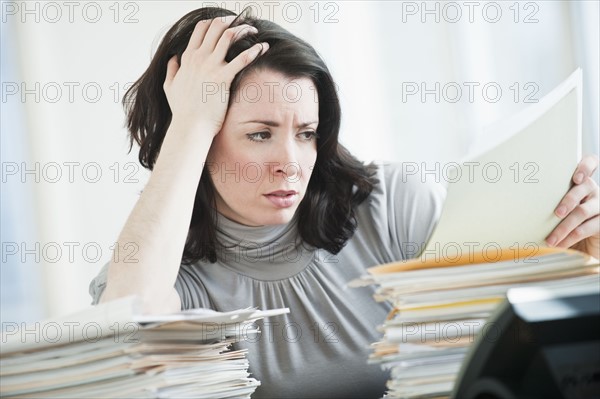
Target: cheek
234	172
219	162
225	159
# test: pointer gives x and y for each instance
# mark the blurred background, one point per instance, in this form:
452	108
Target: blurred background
417	81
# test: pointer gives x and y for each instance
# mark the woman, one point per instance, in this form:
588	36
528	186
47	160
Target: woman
283	215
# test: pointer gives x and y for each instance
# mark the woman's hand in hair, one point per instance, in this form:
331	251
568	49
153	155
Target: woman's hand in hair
198	89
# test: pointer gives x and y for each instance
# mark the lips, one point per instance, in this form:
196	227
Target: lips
282	198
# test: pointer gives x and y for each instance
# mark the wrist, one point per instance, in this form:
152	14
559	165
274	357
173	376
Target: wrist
193	127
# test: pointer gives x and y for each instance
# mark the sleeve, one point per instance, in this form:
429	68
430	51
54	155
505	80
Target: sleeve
191	289
98	284
415	202
188	285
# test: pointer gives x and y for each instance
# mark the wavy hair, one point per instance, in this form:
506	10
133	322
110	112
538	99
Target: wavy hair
339	182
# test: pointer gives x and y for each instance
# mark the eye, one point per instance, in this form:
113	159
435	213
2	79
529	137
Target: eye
308	135
260	136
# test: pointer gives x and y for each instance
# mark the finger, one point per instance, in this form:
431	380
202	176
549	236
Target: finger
579	216
246	57
231	35
215	31
172	68
586	167
583	231
574	197
198	34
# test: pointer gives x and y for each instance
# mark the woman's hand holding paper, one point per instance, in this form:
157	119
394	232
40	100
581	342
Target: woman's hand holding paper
580	212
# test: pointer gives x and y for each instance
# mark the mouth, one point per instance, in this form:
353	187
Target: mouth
282	198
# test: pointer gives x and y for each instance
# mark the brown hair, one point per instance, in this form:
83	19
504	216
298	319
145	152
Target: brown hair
339	181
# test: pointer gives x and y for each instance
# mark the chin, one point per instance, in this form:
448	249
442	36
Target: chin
279	217
259	214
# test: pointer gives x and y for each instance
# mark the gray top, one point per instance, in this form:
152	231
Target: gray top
320	348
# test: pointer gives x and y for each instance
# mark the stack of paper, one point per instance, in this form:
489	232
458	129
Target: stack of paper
108	351
486	241
440	307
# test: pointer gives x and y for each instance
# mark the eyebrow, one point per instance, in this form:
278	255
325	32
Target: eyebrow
275	124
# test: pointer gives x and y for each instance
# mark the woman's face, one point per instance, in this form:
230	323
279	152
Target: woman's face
262	159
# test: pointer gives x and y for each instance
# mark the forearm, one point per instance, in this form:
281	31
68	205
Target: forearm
158	224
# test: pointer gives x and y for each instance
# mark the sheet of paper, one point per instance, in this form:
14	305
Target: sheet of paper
505	195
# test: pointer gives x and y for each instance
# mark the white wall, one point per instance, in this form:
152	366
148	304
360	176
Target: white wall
376	50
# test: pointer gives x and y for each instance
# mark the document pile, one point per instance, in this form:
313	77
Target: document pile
440	308
109	351
489	238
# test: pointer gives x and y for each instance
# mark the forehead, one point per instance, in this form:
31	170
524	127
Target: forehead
273	95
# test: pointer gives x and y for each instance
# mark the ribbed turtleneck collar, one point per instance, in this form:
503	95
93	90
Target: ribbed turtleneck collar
272	252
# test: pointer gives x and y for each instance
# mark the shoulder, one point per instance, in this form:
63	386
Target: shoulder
404	187
190	285
402	209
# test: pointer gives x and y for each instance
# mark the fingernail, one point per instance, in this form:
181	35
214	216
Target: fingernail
561	211
256	50
578	177
551	241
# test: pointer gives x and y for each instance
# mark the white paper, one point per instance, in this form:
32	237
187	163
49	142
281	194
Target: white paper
535	153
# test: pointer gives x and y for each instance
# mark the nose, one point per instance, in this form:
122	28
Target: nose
285	160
